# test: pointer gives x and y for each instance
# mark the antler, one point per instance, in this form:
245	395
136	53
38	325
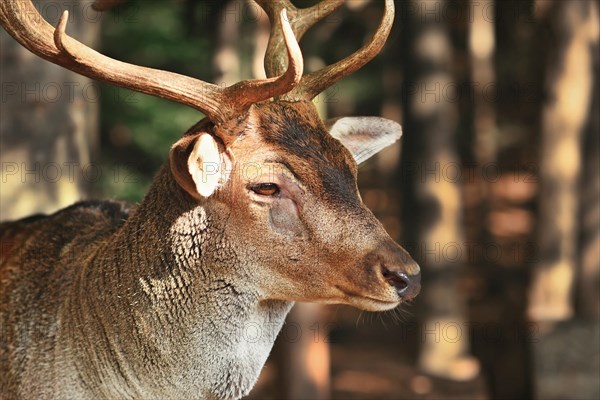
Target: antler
302	19
22	21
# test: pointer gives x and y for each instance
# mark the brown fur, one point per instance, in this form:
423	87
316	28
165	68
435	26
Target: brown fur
101	301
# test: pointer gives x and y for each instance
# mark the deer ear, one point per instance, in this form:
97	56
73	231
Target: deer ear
199	164
364	136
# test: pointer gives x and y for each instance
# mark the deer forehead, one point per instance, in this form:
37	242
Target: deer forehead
294	133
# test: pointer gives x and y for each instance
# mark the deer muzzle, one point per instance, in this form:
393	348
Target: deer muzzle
397	269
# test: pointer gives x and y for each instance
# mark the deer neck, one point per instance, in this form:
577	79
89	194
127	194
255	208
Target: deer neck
177	295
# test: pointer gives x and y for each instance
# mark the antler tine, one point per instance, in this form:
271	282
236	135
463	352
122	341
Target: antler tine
22	21
253	91
314	83
300	20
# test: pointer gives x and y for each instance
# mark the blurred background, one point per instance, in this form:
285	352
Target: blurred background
494	188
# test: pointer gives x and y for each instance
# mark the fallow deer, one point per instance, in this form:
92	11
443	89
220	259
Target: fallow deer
257	208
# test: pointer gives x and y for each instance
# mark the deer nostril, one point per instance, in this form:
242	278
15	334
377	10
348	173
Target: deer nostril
398	280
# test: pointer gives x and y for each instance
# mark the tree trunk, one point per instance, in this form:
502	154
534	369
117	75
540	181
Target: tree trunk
302	355
589	253
569	88
433	210
482	45
49	122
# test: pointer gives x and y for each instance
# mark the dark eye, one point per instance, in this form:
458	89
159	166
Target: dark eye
265	189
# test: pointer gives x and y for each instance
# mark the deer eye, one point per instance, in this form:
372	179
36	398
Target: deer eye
265	189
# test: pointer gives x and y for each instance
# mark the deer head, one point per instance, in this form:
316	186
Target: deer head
286	178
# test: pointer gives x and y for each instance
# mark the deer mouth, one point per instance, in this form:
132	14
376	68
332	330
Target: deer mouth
368	302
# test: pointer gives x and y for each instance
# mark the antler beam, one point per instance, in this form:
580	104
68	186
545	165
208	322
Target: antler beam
22	21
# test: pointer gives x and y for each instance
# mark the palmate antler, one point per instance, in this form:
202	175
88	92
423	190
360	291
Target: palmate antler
22	21
301	20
